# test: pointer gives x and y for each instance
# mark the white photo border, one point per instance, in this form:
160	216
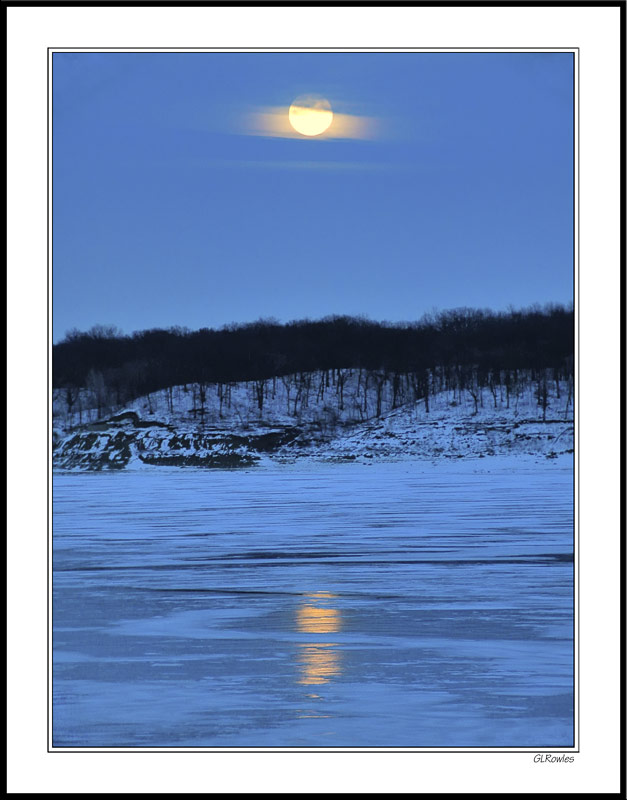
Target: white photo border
593	32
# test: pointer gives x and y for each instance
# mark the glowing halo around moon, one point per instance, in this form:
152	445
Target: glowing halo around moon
310	115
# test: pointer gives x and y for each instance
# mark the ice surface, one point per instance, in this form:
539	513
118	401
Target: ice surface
315	605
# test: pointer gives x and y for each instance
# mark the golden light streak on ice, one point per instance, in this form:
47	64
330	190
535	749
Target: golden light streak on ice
319	661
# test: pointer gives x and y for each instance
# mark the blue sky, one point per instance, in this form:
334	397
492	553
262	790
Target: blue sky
167	211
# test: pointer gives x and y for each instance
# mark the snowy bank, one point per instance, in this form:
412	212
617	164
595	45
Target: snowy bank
167	429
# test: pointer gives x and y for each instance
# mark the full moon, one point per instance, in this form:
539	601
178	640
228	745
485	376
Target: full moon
310	115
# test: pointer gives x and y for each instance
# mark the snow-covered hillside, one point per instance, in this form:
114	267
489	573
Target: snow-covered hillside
343	415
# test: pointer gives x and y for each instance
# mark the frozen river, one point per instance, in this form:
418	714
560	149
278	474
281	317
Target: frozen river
349	605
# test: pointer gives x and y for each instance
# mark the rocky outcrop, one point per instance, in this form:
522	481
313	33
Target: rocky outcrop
127	441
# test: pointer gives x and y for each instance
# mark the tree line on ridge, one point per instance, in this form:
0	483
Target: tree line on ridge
468	347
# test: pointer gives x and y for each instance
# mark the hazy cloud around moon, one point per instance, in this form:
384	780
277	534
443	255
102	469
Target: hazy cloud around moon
273	121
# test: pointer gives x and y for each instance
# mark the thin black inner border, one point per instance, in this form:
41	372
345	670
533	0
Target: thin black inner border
576	337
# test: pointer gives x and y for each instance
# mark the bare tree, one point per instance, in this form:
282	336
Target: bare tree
543	395
340	382
260	388
97	390
380	379
570	396
287	385
202	396
492	384
72	394
473	390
